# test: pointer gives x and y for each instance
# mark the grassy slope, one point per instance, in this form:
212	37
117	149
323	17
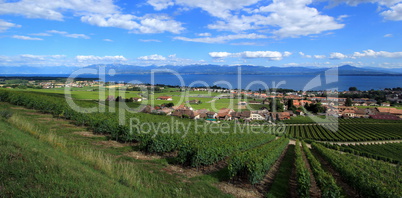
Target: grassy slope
31	168
79	161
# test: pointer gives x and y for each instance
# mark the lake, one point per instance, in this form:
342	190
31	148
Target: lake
255	82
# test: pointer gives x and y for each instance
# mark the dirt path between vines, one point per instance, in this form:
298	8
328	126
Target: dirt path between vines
347	189
315	191
264	186
293	182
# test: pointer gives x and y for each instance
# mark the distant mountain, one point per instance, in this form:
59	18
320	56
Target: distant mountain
244	69
387	70
37	70
204	69
351	70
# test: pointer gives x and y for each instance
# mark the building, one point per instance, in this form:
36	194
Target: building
257	116
224	113
168	98
136	99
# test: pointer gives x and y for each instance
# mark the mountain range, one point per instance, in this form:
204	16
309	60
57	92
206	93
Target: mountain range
207	69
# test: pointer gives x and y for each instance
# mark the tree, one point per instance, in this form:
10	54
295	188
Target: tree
352	88
276	105
290	103
168	105
348	102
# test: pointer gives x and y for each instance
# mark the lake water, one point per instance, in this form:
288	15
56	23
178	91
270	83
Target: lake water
255	82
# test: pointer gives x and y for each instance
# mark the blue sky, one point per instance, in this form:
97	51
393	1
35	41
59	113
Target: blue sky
181	32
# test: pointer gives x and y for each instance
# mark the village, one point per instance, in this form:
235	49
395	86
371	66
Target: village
243	105
255	106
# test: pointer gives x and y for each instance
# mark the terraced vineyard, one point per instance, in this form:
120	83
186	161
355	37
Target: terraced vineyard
390	152
371	178
248	157
346	132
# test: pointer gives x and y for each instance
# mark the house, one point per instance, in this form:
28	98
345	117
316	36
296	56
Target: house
167	111
257	116
245	115
147	109
348	113
279	115
385	104
185	113
136	99
211	115
164	98
284	115
202	113
299	113
110	98
182	106
361	113
224	113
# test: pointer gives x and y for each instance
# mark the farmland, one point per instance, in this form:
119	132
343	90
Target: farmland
225	153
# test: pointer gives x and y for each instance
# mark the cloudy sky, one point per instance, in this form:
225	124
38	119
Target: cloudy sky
179	32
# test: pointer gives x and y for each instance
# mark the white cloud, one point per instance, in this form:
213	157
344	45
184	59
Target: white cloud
78	36
40	34
392	8
204	34
32	60
124	21
146	24
270	55
320	56
374	54
108	40
312	56
4	25
248	43
160	4
66	34
286	54
394	13
154	57
337	55
217	8
33	57
304	55
222	39
158	24
150	40
57	32
219	54
92	58
26	38
103	13
53	10
284	18
388	35
356	2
